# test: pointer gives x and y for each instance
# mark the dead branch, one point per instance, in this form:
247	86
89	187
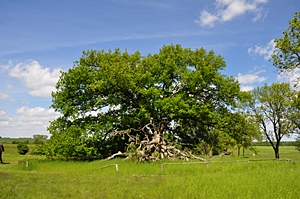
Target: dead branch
151	145
114	155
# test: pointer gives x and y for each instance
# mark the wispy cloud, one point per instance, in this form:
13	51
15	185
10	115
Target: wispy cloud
265	51
227	10
4	68
3	96
248	80
3	117
9	86
206	19
40	80
92	40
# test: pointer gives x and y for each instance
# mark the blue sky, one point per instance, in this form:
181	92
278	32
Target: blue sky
40	38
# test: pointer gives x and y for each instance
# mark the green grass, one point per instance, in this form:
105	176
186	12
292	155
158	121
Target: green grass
78	179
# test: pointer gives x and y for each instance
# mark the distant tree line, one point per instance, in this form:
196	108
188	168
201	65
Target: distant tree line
282	143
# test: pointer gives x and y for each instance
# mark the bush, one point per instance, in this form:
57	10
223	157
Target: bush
26	142
38	141
40	149
22	148
203	148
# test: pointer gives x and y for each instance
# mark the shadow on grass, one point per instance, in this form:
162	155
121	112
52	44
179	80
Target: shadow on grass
4	163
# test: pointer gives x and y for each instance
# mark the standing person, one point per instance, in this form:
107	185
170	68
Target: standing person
1	150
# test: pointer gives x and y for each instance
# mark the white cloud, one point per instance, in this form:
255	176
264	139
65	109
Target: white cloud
41	81
28	122
247	88
3	116
3	96
265	51
206	19
4	68
251	77
6	97
227	10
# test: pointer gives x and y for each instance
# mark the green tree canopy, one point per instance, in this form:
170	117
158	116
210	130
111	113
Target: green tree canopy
286	56
273	108
181	91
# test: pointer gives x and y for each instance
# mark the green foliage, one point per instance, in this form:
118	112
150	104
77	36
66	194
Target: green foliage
69	144
15	142
203	148
39	149
110	91
273	105
243	129
22	148
39	139
286	56
26	142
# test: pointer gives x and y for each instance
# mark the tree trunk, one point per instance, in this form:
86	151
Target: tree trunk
276	151
239	151
243	152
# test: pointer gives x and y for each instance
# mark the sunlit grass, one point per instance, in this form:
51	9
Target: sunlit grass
80	179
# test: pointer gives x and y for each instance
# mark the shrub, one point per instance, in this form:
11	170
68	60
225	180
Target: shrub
22	148
38	141
40	149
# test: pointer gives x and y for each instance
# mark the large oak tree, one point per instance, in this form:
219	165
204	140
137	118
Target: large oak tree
179	91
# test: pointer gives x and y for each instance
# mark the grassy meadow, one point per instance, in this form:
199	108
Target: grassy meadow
80	179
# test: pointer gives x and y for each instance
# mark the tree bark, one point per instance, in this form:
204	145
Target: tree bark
276	150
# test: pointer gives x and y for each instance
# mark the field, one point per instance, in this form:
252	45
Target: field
236	178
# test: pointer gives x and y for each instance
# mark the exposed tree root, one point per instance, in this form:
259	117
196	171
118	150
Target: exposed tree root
149	144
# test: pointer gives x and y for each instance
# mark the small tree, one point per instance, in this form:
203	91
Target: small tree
273	108
39	139
203	148
22	148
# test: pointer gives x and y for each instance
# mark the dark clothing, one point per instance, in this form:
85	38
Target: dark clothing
1	150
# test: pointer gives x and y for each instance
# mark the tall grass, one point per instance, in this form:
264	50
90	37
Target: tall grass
78	179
